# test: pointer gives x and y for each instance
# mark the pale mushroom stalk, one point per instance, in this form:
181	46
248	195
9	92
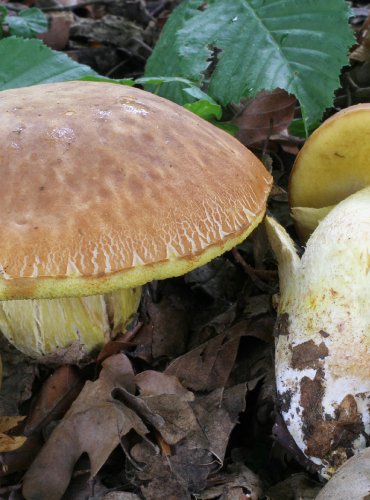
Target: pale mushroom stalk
67	328
323	347
104	188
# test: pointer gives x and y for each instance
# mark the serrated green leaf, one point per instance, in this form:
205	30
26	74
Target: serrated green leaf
29	62
27	23
169	44
257	44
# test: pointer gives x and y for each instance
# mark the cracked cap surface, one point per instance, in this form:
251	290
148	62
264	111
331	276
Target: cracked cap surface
105	186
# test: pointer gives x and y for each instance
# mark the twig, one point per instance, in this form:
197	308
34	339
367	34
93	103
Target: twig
9	489
255	274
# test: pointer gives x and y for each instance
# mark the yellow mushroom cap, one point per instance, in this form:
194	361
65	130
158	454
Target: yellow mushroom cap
105	186
333	164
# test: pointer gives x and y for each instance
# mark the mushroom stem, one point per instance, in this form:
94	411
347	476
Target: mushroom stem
322	356
63	327
284	248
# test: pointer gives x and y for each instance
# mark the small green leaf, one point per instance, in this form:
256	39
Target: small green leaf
199	94
27	23
29	62
297	128
159	80
125	81
228	127
205	109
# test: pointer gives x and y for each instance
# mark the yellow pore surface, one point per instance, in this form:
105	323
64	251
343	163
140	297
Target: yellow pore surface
335	160
105	186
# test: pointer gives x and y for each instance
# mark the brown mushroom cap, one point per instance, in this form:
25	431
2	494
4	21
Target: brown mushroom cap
105	186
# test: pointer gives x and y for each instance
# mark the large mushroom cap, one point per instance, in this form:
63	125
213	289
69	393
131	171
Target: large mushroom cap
105	186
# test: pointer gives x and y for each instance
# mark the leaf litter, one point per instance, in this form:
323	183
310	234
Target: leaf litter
183	406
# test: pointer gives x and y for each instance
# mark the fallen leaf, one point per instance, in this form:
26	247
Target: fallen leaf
165	332
54	399
152	383
236	482
10	443
297	486
362	51
57	36
208	366
170	415
7	423
94	424
267	114
121	495
18	378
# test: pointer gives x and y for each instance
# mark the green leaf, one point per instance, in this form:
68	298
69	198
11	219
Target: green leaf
27	23
241	47
228	127
3	14
168	47
125	81
159	80
29	62
297	128
205	109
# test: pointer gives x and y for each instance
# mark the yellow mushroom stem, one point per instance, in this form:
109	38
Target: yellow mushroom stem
41	327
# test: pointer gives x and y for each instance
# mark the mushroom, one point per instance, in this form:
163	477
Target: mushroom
333	163
322	357
104	188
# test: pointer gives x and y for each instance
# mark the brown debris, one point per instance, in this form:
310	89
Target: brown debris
308	355
327	437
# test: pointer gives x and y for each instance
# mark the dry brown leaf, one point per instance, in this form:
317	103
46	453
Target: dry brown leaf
94	424
7	423
235	483
56	396
267	114
204	436
10	443
362	51
152	383
171	416
18	378
208	366
57	36
165	333
298	486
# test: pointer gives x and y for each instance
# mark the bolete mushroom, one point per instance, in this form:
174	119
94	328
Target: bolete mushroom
103	189
333	163
323	346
